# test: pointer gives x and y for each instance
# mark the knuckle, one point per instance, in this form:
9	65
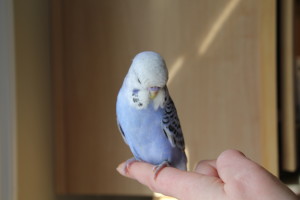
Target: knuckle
200	164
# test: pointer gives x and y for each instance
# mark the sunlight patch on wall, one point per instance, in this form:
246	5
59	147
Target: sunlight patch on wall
175	68
217	26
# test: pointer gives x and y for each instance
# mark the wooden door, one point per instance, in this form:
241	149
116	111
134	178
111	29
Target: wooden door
221	60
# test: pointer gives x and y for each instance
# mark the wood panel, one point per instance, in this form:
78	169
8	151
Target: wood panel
297	28
218	55
287	74
268	89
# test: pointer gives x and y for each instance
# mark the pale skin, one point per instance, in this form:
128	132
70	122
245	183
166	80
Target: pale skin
232	176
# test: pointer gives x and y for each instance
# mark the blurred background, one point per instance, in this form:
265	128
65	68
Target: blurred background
233	75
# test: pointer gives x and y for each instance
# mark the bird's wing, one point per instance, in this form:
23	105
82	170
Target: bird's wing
122	132
171	125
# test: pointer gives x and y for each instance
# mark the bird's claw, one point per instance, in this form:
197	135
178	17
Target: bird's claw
128	163
159	167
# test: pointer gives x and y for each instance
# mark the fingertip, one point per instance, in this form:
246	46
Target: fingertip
232	163
231	153
207	167
228	156
121	169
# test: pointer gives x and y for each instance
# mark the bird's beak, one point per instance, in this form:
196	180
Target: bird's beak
153	92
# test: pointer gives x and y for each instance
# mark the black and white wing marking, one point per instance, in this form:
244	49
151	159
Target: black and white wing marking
171	124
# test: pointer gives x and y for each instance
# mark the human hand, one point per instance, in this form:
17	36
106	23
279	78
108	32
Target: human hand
231	176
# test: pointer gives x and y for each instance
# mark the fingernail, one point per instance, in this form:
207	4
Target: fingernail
121	169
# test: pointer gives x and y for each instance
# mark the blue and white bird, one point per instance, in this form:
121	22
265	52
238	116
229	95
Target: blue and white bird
146	115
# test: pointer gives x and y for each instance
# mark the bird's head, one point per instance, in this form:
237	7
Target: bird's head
148	75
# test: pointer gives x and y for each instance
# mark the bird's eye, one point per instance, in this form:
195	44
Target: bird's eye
154	88
139	81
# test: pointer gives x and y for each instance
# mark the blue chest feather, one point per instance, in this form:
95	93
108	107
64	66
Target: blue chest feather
143	132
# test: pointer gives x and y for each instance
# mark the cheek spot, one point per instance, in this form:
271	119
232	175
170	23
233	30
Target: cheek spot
135	92
135	100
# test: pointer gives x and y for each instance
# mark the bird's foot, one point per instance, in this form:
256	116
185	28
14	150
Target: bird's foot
159	167
128	163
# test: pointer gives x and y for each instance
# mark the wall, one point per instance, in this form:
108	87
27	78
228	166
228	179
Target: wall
34	117
35	146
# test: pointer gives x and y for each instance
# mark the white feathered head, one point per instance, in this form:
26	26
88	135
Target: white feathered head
148	75
150	69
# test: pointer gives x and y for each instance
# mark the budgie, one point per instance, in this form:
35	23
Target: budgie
147	117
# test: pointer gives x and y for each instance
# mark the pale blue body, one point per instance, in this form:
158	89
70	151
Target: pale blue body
144	133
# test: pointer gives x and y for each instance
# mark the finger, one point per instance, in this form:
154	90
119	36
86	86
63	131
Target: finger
173	182
233	163
207	167
235	168
164	183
